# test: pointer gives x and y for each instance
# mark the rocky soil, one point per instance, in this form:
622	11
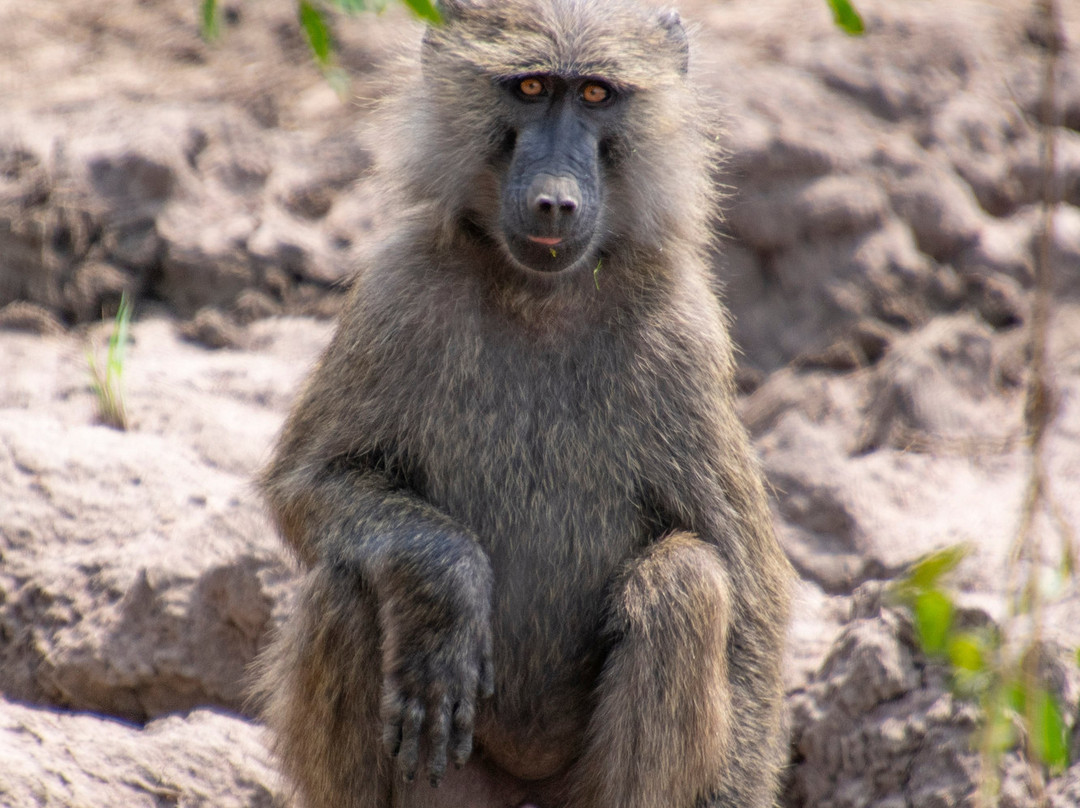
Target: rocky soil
878	253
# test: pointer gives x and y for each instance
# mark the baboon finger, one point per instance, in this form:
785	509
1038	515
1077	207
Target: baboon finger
438	739
392	711
409	754
461	740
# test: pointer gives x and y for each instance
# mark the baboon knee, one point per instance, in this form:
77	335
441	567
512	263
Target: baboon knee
677	582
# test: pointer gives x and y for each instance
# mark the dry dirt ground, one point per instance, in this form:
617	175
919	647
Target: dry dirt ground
877	255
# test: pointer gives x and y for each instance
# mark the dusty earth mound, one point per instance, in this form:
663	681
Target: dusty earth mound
878	256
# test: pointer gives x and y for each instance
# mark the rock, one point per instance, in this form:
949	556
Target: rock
95	290
56	759
999	300
867	731
297	249
254	305
1005	248
22	316
940	210
878	725
935	387
159	582
982	145
129	179
134	244
1065	252
139	574
862	345
213	329
824	208
204	263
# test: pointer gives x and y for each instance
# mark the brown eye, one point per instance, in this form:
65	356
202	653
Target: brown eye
595	93
531	86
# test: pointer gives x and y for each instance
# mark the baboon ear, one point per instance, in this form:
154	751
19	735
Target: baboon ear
672	24
451	9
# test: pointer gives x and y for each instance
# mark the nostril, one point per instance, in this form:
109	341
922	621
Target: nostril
553	197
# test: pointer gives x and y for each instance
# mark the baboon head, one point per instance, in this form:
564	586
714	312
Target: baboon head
531	118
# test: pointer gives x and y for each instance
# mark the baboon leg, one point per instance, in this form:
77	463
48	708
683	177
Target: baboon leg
320	685
661	732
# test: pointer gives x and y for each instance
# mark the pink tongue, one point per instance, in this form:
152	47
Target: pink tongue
547	242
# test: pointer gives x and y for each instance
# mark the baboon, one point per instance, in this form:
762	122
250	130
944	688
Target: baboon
540	564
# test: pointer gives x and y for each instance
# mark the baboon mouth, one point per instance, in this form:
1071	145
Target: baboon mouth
548	254
545	240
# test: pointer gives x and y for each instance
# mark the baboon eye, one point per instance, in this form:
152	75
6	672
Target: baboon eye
595	93
531	86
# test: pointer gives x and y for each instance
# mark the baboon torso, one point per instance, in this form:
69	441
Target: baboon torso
513	418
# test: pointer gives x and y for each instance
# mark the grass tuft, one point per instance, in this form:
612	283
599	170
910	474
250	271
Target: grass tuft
107	379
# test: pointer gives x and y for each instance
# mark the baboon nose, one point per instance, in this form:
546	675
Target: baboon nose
554	197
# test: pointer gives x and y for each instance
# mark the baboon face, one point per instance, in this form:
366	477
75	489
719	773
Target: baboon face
552	193
538	107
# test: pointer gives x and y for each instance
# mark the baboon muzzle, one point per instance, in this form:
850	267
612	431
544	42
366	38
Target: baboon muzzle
552	187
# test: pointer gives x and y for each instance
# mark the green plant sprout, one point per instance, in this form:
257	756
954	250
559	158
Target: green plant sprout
107	380
312	17
1015	705
846	17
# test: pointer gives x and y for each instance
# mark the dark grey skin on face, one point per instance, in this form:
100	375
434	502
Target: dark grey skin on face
552	198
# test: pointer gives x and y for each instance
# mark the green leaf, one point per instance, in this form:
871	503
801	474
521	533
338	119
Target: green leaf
846	17
350	6
1048	738
999	733
933	619
118	340
107	381
209	20
966	653
357	6
928	570
425	10
318	36
1016	697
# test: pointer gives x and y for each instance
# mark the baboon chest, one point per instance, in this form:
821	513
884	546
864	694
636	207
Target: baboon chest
527	448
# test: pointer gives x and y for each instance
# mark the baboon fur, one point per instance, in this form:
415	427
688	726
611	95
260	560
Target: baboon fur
523	499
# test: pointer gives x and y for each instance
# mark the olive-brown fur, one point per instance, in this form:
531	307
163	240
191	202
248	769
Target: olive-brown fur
537	541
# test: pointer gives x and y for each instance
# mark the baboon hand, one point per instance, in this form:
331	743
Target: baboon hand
436	665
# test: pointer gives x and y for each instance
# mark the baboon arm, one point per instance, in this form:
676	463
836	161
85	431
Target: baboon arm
432	583
361	518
